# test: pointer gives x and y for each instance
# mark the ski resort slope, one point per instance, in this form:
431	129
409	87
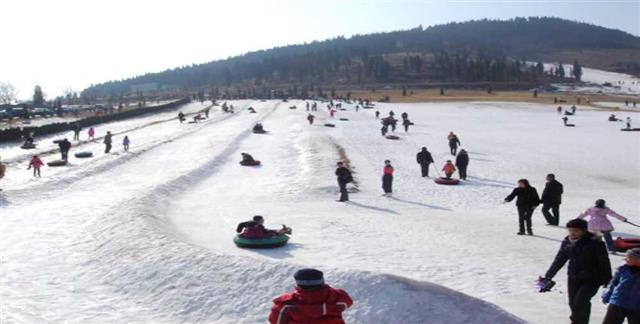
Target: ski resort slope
146	236
600	81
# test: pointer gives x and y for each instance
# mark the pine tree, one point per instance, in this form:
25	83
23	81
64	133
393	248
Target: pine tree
577	70
38	96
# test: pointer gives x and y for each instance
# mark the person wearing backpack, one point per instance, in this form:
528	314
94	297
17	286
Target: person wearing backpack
344	177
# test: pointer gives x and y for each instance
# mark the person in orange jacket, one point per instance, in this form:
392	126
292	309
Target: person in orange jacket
36	164
313	301
448	169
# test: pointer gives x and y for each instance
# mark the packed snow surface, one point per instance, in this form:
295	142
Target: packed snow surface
600	81
146	235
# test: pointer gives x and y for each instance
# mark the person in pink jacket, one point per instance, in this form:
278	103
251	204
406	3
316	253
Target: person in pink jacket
598	221
35	163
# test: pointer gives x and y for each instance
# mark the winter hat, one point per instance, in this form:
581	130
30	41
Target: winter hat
600	203
309	278
634	253
578	223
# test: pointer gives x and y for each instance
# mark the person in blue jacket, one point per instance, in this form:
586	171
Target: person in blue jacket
623	295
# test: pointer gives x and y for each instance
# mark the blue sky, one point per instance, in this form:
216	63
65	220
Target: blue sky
73	43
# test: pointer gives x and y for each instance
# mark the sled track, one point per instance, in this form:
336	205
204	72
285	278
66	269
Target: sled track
178	281
64	180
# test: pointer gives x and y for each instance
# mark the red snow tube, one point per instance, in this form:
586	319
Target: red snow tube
623	244
247	163
57	163
445	181
392	137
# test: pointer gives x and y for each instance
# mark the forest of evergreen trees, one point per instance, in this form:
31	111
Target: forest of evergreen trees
473	51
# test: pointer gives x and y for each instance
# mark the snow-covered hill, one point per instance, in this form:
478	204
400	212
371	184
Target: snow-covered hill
145	236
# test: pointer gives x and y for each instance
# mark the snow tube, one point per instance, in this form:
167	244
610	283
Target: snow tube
344	119
569	125
85	154
257	131
624	244
57	163
392	137
445	181
630	129
28	146
254	163
329	125
293	107
261	243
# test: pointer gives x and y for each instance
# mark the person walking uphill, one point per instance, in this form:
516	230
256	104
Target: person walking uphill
453	143
91	133
598	221
35	163
344	177
312	302
527	202
424	158
107	142
589	268
387	178
551	199
623	295
125	143
462	162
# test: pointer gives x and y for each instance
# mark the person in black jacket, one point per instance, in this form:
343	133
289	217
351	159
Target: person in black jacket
454	141
527	202
424	158
551	199
344	177
64	146
589	268
462	161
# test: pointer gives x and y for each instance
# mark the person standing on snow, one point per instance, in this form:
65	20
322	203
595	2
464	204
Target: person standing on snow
462	162
453	143
107	142
181	117
36	164
589	268
406	123
91	133
76	131
377	114
125	143
623	294
313	301
598	221
310	118
551	199
628	122
387	178
64	146
344	177
527	202
424	158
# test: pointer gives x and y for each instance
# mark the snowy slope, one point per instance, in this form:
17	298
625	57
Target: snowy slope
146	236
617	83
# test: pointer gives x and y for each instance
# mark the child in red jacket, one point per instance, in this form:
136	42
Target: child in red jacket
313	302
36	163
448	169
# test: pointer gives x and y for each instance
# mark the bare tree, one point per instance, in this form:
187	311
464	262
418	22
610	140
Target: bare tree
8	93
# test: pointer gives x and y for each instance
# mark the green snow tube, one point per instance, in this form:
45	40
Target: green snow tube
262	243
85	154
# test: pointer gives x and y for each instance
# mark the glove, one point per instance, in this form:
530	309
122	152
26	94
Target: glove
545	284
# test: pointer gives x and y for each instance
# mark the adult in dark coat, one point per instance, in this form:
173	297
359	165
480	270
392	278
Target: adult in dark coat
527	202
462	162
64	146
589	268
424	158
453	143
107	142
551	199
344	176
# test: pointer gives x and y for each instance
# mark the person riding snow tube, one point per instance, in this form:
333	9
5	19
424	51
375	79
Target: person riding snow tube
258	129
253	234
84	154
247	160
57	163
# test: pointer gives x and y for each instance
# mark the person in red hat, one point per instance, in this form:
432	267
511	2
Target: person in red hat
313	301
